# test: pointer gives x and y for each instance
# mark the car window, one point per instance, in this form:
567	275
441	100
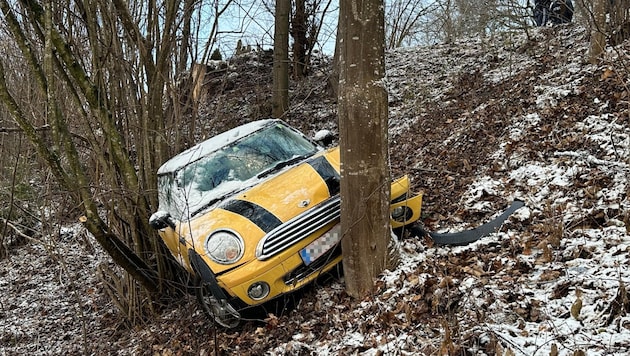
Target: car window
228	169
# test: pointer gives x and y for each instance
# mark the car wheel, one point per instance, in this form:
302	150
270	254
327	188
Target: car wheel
218	310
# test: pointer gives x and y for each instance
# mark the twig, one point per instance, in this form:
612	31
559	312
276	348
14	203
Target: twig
19	232
430	170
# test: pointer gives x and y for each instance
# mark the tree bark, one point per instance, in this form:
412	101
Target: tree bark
299	28
365	181
280	99
333	79
619	21
598	33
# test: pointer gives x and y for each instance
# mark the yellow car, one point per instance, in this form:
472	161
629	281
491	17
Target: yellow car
254	213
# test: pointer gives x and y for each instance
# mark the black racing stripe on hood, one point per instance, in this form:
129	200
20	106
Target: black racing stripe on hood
327	172
260	216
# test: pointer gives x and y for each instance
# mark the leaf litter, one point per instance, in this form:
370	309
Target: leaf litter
476	124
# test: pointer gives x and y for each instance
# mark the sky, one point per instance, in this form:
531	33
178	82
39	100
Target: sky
252	22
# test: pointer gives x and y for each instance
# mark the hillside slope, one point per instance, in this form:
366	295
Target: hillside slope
476	124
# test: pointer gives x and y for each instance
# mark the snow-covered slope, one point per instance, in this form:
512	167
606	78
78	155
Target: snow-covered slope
476	124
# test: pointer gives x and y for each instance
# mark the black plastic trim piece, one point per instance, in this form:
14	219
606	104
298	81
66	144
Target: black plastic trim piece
206	274
468	236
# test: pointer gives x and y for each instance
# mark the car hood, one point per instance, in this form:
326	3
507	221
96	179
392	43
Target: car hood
258	210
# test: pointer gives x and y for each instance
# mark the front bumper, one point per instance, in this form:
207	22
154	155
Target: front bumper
282	273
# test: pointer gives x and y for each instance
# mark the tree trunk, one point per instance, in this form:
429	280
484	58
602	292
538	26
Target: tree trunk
280	100
619	22
365	182
598	32
333	79
299	28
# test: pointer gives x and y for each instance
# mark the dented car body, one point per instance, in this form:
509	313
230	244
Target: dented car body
254	213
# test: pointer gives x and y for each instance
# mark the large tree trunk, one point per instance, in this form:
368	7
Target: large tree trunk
280	100
365	182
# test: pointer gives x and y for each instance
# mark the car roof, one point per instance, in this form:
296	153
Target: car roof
213	144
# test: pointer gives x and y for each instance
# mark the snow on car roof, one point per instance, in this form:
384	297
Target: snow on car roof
212	144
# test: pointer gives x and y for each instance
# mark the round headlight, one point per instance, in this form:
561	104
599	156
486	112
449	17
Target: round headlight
258	290
224	247
402	214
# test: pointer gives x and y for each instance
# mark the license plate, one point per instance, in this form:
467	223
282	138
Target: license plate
317	248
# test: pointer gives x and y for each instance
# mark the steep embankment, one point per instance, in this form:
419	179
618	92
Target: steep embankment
476	123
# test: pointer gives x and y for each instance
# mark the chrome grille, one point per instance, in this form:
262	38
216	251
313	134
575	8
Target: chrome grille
298	228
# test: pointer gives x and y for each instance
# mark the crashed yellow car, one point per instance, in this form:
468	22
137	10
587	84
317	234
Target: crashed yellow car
254	213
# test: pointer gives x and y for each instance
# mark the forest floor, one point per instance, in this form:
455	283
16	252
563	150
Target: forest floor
476	124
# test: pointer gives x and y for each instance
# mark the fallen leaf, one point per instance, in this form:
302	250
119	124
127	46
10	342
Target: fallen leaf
607	73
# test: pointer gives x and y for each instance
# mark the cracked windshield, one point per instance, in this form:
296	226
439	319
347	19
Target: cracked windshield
201	183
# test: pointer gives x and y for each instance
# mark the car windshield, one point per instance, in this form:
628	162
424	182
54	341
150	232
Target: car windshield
199	184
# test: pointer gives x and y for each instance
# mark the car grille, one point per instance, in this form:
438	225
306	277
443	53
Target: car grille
298	228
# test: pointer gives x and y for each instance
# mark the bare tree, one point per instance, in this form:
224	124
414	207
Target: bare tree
18	219
598	34
619	21
365	186
609	22
299	32
403	20
280	99
102	70
306	21
448	20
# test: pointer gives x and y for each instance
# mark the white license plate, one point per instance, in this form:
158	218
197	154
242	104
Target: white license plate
317	248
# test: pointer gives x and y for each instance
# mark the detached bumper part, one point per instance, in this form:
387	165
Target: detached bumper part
211	297
468	236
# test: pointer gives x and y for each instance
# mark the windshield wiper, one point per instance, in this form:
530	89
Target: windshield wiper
214	201
278	166
205	206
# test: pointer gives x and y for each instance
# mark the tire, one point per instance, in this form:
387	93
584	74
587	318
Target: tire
220	311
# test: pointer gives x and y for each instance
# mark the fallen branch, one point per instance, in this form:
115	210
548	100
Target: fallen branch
19	129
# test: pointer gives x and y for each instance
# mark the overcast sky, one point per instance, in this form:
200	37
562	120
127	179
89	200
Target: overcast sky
252	22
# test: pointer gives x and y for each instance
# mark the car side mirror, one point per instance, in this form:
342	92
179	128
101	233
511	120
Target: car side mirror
161	220
324	137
